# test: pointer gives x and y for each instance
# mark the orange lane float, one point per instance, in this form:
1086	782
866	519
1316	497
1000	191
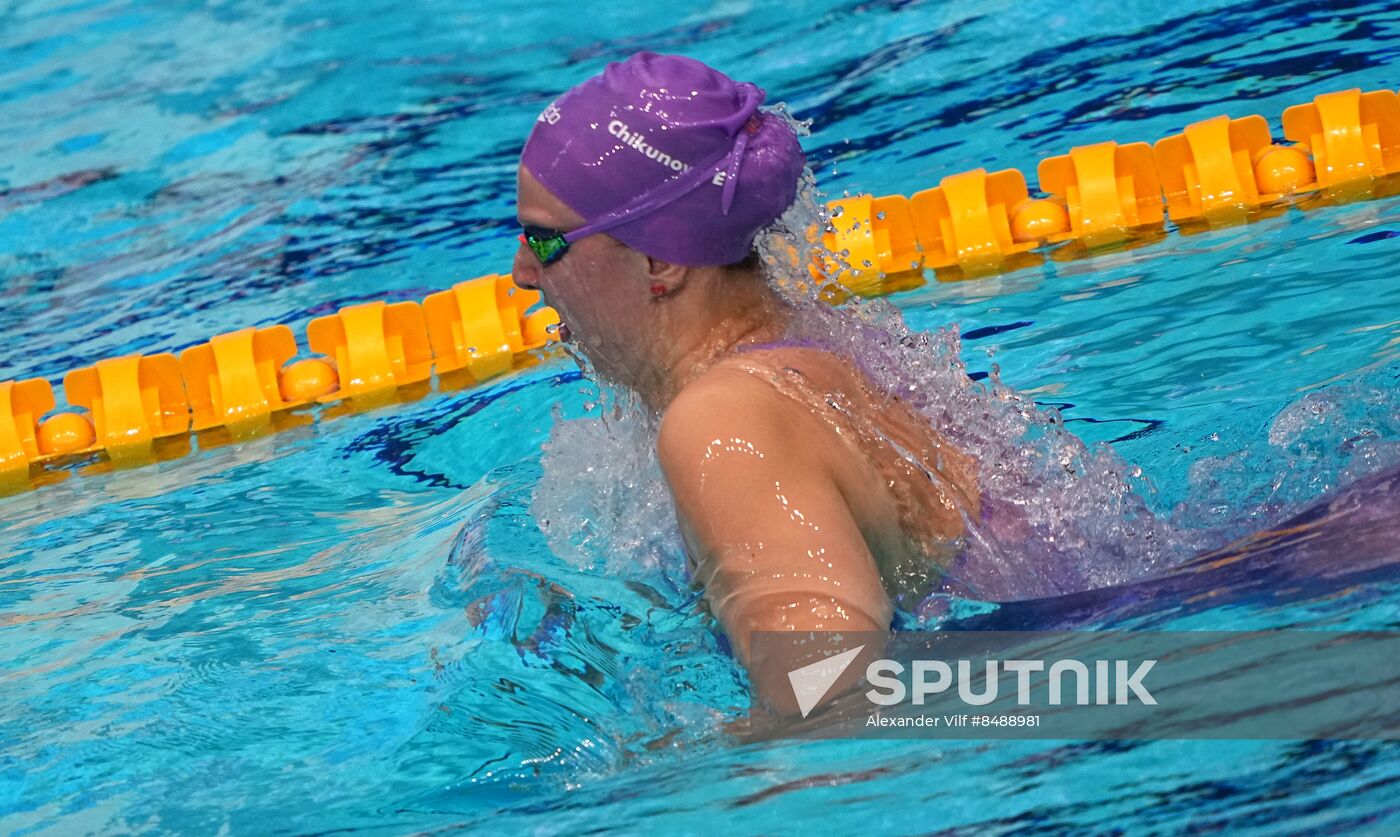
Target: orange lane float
133	400
22	403
307	379
966	219
233	379
1353	136
1208	169
63	433
482	324
1283	170
869	237
375	346
1037	220
1108	189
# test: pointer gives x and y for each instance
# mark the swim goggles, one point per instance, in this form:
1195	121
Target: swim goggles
549	246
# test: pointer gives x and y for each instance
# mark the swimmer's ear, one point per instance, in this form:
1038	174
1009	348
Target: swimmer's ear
665	278
663	270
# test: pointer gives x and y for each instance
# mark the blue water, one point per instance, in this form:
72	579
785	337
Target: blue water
359	625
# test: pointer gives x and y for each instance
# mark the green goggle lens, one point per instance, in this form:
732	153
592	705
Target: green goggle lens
548	245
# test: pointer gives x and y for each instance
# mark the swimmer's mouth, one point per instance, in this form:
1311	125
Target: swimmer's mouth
563	333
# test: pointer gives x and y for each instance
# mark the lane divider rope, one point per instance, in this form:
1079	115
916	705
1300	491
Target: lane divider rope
245	382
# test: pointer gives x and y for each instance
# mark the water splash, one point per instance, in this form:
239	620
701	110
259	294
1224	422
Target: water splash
1323	441
602	503
1058	515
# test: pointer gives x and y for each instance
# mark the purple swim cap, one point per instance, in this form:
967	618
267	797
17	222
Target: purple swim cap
668	156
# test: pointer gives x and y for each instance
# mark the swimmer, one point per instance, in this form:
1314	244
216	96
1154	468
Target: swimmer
799	487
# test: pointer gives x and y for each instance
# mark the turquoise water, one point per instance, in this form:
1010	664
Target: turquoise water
359	625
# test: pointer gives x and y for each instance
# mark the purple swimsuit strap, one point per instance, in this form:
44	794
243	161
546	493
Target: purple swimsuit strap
786	343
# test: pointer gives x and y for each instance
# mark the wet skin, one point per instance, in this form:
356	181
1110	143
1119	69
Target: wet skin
800	490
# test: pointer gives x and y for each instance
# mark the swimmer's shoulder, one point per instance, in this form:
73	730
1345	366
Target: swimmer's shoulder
724	398
730	401
756	393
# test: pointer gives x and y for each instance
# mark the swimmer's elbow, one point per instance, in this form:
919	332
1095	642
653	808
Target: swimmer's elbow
787	612
831	624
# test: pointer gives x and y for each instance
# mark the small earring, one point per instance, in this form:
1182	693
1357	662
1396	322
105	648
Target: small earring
658	289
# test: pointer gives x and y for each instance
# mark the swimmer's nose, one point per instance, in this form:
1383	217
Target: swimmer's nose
525	269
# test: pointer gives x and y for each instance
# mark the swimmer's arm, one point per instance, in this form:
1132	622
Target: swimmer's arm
774	541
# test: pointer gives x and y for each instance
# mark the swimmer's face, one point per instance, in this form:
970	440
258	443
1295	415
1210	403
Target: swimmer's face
599	287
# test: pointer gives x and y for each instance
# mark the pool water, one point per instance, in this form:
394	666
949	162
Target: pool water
379	622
